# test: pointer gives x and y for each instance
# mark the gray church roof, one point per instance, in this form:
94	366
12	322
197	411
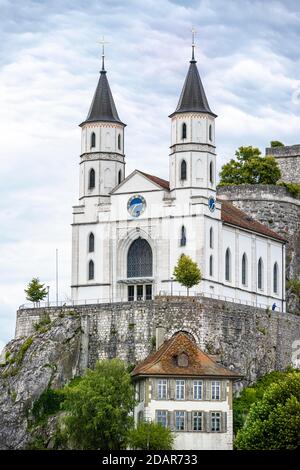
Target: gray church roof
103	107
193	96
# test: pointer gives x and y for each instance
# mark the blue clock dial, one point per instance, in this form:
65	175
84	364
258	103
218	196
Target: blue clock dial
136	205
211	204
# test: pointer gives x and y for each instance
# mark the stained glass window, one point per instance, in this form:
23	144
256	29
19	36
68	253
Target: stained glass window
139	259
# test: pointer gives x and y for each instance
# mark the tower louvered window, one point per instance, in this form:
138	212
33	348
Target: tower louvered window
92	179
91	243
93	139
91	270
183	136
183	170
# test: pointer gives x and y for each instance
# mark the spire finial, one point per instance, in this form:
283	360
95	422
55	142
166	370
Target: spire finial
193	43
102	42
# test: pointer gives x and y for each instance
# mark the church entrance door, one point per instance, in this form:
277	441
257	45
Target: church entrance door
139	292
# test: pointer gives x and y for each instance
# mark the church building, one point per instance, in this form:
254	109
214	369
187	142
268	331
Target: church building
129	231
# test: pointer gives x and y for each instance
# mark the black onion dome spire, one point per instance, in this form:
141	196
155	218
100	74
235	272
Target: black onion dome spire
193	96
103	107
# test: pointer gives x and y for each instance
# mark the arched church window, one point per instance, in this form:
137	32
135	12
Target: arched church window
183	236
139	259
244	269
183	133
228	265
119	142
275	278
210	132
91	242
92	178
260	269
211	172
93	139
120	177
91	270
211	266
211	237
183	170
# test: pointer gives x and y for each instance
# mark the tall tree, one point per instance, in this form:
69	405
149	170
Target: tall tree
98	408
250	168
274	421
187	272
35	291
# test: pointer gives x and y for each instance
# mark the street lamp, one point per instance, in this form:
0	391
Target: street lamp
172	280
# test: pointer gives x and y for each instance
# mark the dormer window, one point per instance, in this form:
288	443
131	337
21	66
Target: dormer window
182	360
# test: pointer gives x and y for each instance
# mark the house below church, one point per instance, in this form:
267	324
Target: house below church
181	387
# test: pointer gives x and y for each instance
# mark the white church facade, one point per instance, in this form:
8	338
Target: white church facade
128	232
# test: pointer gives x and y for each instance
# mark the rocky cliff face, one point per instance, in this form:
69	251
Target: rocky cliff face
47	358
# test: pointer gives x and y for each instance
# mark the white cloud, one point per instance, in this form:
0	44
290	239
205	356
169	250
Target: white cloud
248	59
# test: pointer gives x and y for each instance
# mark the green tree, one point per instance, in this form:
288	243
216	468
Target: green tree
274	421
250	168
98	408
187	272
150	436
35	291
276	143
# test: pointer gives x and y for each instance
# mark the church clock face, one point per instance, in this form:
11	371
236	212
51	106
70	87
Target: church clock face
211	204
136	205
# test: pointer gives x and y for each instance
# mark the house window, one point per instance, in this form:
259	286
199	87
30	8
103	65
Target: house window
275	278
91	270
179	389
183	170
93	139
260	274
161	417
211	266
120	177
215	390
210	132
183	236
227	265
119	142
211	237
244	269
211	172
92	178
197	389
197	420
215	424
183	134
179	420
162	389
140	416
91	242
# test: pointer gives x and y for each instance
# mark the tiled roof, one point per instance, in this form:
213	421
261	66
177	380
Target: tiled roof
163	362
163	183
233	216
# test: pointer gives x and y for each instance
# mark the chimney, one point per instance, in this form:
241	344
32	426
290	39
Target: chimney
159	336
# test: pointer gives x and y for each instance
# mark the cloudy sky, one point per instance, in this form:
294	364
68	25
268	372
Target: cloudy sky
248	58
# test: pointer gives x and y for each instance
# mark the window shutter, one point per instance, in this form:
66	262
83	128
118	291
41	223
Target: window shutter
206	421
189	420
171	420
207	390
223	390
188	389
154	389
223	422
171	389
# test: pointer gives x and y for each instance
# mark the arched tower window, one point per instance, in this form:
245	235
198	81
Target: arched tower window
183	236
119	141
93	139
228	265
120	176
91	270
275	278
91	242
211	265
210	132
139	259
211	237
183	170
92	178
260	273
183	131
244	269
211	172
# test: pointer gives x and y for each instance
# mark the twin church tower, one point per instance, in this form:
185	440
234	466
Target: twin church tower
129	231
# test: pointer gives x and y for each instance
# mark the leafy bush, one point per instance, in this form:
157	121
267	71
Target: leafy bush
293	188
150	436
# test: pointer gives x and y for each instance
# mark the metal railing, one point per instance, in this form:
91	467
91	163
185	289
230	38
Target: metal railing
162	293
